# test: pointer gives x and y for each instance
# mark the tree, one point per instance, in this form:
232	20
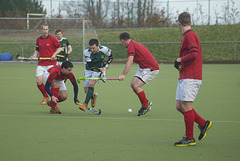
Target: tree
19	8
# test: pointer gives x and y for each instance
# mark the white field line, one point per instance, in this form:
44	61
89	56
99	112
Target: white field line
110	118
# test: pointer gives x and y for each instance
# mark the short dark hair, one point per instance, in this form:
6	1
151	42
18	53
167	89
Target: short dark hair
44	25
67	64
184	19
124	36
57	31
93	41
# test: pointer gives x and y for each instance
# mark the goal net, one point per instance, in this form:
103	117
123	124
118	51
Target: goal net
26	30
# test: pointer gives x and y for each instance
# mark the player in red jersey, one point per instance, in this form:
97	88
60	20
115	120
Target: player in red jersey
189	65
55	86
46	46
148	69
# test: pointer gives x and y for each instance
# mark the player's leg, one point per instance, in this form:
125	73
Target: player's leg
89	94
89	73
142	77
55	91
39	79
186	108
184	105
62	95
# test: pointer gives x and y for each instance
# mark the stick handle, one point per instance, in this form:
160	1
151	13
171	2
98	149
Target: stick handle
45	58
81	78
112	78
60	56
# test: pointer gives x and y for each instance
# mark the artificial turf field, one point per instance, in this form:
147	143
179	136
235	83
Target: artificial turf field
29	133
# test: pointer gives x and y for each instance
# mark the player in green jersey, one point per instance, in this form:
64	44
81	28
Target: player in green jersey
95	65
66	47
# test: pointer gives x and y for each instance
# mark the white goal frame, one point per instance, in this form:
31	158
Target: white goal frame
34	14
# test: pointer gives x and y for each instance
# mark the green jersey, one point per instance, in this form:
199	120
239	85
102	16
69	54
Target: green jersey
96	60
64	43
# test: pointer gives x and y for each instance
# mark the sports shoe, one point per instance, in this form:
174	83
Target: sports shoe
44	101
185	142
83	107
55	111
94	100
143	111
204	129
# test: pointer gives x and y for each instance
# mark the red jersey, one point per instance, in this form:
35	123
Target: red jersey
191	56
142	56
55	73
46	47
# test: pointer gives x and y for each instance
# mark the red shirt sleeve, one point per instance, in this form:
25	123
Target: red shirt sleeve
131	49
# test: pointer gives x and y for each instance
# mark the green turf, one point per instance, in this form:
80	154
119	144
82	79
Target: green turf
29	133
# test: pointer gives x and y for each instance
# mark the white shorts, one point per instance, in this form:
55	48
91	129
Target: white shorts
146	74
59	63
187	89
90	74
62	86
42	69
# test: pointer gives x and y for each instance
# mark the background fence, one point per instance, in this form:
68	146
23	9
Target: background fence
162	51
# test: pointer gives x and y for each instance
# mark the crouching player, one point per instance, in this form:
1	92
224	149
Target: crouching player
55	86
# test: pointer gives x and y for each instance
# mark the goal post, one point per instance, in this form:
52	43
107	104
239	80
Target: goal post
34	14
89	32
77	30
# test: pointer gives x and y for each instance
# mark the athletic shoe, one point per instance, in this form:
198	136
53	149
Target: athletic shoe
44	101
185	142
55	111
143	111
83	107
94	100
204	129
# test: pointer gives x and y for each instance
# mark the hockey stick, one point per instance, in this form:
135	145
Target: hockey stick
66	52
93	111
81	78
60	56
25	58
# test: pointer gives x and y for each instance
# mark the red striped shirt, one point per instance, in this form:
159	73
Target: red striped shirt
142	56
55	73
191	55
47	47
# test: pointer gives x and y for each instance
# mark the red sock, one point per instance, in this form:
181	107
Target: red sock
189	121
42	89
55	93
143	99
198	119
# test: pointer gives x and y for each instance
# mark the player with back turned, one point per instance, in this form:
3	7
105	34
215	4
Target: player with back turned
47	46
189	65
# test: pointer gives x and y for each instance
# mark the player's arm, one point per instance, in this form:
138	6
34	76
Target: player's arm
58	50
127	68
75	88
192	50
189	57
69	49
109	61
35	55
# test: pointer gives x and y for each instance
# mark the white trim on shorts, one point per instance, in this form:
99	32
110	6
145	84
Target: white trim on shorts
62	86
90	74
146	74
187	89
42	69
59	63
